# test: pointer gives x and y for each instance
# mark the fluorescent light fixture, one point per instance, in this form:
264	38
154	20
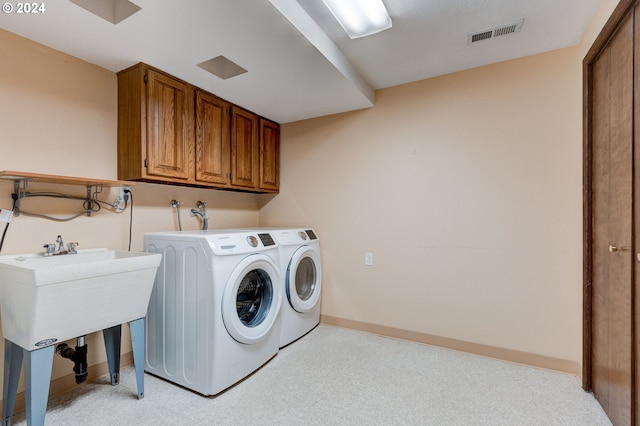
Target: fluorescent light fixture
360	18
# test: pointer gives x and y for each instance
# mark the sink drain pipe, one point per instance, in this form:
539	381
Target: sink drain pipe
78	356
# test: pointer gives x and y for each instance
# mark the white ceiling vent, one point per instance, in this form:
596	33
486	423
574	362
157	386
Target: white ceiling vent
113	11
502	30
222	67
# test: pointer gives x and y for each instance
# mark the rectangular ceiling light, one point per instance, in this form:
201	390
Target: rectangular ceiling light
360	18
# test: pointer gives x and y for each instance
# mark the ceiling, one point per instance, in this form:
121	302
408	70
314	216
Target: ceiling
300	62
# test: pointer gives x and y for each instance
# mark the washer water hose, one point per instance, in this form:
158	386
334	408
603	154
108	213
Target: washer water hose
205	220
176	205
201	211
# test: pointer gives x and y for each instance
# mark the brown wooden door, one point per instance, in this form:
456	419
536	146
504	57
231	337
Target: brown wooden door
612	352
244	149
213	146
169	127
269	155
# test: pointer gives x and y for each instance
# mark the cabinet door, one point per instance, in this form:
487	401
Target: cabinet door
169	127
213	146
269	155
244	149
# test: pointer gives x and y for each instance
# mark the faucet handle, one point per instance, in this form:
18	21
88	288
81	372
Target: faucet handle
50	249
71	248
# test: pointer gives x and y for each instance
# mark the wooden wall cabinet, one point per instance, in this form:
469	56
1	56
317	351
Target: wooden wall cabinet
213	150
171	132
244	149
269	155
155	127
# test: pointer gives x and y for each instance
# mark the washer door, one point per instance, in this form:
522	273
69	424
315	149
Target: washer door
251	299
304	279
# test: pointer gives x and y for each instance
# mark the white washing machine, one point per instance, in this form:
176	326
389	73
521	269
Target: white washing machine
301	271
213	315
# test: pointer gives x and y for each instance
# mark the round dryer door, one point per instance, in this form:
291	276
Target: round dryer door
304	279
251	299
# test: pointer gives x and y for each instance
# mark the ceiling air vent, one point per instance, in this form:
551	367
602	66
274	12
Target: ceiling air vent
222	67
113	11
502	30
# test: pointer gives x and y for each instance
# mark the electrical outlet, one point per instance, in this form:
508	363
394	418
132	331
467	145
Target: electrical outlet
121	198
6	215
368	259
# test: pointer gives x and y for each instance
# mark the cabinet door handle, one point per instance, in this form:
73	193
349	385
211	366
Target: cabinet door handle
615	249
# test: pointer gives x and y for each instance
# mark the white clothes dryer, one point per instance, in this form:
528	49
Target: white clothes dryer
301	271
213	315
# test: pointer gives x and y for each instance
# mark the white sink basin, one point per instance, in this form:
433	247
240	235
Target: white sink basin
44	300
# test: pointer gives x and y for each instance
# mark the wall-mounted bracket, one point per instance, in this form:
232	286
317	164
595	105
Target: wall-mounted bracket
94	186
20	192
92	197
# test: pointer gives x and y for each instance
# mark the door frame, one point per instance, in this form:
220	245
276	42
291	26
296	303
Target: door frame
606	34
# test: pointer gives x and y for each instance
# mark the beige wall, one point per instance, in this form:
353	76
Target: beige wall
58	116
468	190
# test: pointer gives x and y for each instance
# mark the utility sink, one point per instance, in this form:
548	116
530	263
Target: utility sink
47	299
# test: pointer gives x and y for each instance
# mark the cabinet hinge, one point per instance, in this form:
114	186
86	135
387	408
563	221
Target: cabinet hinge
146	162
146	79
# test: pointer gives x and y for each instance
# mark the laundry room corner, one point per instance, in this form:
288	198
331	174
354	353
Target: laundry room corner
475	230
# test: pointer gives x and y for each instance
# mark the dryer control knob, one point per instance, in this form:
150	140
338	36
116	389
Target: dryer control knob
302	235
253	241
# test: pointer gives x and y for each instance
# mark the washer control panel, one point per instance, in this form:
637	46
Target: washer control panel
267	240
236	242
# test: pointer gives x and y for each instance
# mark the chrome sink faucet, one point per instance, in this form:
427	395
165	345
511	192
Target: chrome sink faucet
60	243
51	250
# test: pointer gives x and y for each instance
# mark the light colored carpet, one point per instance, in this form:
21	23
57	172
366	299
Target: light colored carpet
335	376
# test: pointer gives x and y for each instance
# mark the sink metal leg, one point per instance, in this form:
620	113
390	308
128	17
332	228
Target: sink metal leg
37	377
112	338
12	365
38	365
137	342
